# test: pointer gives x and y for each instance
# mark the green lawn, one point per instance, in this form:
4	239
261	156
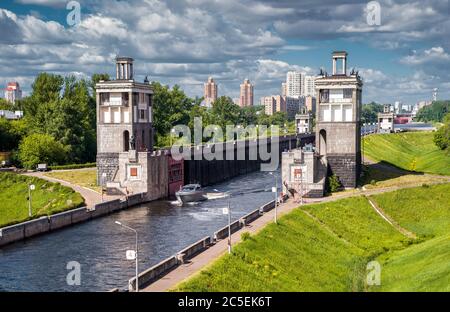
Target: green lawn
421	267
82	177
355	220
414	151
48	198
423	210
329	251
296	255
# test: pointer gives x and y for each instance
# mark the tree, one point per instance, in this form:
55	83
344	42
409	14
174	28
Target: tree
170	108
225	112
434	112
442	135
41	148
96	79
369	112
5	105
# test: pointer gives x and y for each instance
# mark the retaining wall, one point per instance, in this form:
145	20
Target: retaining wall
57	221
223	232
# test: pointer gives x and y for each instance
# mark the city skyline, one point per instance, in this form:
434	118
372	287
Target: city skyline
402	59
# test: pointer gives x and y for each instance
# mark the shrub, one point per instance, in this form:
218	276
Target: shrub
74	166
334	183
245	236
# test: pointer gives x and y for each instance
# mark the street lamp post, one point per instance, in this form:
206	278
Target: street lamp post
103	183
31	187
275	191
229	220
136	252
229	226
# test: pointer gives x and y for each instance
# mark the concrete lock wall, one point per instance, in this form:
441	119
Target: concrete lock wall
11	234
57	221
153	273
252	216
37	226
194	249
267	207
223	232
60	220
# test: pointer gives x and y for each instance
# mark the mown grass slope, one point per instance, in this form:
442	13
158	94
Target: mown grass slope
326	247
421	267
423	210
296	255
47	198
82	177
413	151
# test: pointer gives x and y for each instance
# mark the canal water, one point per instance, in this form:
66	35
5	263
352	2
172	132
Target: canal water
39	264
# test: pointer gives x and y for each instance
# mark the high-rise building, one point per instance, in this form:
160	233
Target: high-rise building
13	92
310	104
210	92
269	105
278	103
294	84
246	97
283	89
309	86
293	105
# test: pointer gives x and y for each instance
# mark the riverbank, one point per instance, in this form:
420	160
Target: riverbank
332	243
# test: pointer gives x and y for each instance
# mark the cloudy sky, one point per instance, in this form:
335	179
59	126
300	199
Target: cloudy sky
185	41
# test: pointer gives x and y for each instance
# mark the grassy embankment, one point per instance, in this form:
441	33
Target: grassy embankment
81	177
48	198
413	151
326	247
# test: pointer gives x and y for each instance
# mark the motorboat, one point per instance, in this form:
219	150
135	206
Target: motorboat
191	193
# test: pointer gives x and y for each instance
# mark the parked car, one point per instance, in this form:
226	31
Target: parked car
42	168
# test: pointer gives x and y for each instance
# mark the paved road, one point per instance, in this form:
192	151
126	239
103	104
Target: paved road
91	197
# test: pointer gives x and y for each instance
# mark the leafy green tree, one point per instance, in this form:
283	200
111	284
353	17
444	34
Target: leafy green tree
96	79
442	135
225	112
369	112
434	112
170	107
41	148
5	105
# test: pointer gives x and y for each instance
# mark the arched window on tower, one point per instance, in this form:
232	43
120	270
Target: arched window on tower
126	141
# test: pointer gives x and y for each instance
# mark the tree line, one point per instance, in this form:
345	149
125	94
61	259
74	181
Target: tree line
59	123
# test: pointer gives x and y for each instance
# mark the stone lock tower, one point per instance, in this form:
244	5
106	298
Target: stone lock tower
124	119
338	130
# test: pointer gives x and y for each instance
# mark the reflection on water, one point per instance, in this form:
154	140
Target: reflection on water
39	264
